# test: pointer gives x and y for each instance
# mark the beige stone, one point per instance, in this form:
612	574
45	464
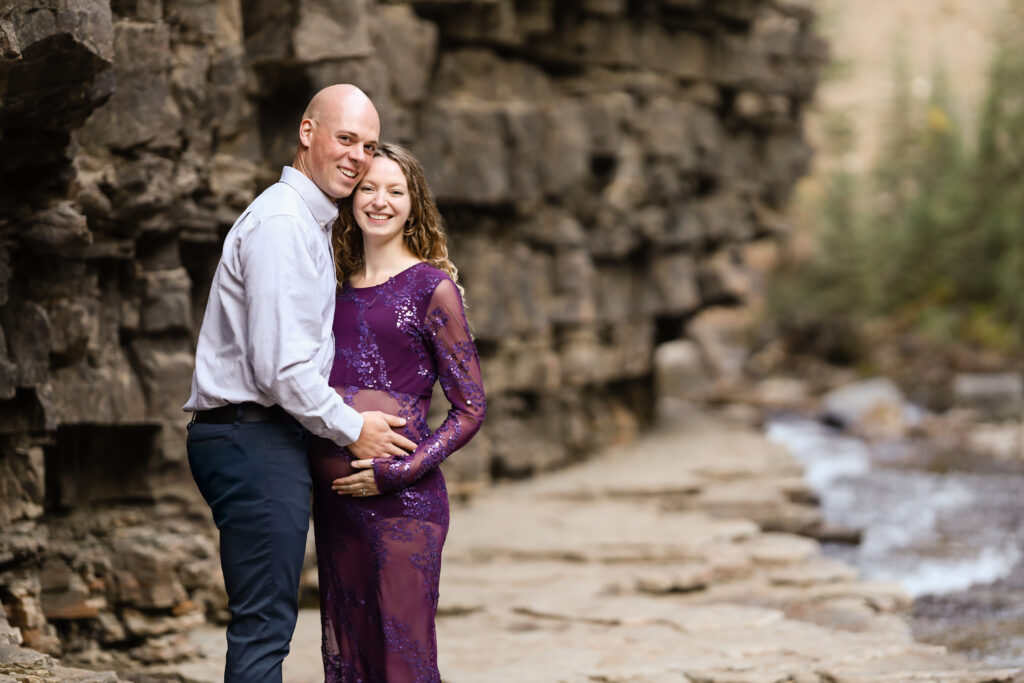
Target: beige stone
331	29
577	576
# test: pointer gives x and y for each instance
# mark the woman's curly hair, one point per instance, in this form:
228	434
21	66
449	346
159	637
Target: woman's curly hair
424	231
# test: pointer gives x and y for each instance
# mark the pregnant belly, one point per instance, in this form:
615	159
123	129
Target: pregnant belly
412	407
329	461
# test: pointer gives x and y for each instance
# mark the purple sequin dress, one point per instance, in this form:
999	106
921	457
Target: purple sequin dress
379	557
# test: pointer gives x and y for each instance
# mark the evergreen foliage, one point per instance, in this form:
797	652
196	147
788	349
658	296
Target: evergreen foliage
933	237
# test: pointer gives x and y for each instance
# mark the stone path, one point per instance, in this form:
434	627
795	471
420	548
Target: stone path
645	566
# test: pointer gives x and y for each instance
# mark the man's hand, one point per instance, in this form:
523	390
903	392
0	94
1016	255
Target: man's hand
378	440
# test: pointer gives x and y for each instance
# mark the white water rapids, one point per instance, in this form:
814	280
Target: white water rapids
934	533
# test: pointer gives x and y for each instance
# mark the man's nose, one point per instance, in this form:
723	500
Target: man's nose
357	153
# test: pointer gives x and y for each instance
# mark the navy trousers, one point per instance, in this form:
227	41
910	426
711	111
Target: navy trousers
255	477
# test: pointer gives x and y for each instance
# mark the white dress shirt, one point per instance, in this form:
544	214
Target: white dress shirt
267	332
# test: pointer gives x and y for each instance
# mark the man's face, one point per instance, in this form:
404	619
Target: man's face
340	143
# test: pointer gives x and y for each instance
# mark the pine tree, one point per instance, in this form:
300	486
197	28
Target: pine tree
934	237
994	264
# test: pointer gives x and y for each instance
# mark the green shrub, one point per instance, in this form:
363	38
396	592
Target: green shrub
933	237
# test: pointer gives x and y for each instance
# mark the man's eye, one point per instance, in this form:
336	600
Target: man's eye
344	138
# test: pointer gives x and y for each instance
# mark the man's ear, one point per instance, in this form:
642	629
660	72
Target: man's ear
306	132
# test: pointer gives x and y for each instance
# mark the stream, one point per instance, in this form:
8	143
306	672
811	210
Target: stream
953	536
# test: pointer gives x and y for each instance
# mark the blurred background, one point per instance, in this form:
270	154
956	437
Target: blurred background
902	272
806	215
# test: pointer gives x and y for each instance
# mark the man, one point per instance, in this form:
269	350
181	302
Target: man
264	353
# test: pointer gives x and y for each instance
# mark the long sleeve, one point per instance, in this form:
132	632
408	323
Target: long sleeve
458	370
285	327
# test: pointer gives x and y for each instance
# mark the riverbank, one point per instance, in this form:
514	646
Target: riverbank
667	559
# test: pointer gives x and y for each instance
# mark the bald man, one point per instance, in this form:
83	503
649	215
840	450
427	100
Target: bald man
262	362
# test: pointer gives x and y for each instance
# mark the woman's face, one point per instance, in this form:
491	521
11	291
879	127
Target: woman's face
381	203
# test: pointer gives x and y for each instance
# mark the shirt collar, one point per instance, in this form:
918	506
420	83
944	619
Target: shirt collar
323	207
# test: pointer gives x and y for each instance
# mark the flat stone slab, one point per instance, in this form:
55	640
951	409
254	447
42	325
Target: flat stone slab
596	573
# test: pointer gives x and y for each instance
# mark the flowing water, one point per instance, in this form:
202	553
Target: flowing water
952	536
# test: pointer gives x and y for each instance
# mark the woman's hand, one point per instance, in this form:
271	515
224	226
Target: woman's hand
359	484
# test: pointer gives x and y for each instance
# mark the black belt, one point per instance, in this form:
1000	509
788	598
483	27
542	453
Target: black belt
242	412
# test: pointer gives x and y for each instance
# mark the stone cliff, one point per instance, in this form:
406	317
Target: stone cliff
605	168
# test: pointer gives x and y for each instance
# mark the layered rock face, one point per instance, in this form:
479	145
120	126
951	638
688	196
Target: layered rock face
604	167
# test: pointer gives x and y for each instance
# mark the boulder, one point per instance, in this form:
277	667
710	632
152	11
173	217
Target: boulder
680	375
782	393
873	408
1001	441
721	333
995	394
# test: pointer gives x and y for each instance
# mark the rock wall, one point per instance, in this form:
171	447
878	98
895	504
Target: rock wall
605	167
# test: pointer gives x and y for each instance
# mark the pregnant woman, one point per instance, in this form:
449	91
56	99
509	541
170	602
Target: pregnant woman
380	524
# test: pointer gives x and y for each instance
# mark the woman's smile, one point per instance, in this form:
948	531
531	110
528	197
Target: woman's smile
382	198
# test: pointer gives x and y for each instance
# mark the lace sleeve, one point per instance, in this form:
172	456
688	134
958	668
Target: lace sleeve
458	369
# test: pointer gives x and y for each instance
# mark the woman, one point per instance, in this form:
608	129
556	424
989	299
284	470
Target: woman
399	325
